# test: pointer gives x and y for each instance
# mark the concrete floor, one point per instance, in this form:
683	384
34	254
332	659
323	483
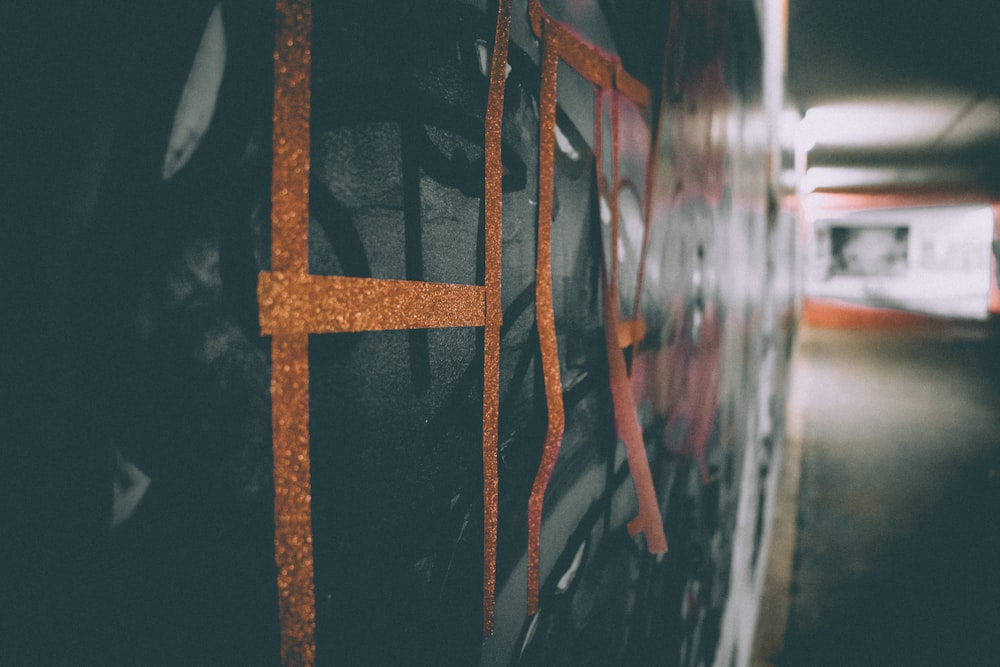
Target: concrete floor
887	537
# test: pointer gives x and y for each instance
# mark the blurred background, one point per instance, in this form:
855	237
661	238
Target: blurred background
887	529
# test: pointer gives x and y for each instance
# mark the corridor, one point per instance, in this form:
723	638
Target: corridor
896	441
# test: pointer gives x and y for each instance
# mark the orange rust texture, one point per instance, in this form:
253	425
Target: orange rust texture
290	353
290	176
606	73
649	520
631	332
630	87
493	306
601	68
292	499
544	313
293	303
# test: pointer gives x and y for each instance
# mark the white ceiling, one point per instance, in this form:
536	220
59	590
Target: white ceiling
897	93
941	119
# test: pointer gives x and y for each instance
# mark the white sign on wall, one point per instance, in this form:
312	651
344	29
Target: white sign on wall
933	260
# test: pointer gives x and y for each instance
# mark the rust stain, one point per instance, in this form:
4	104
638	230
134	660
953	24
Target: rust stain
295	303
610	79
544	314
290	141
493	307
648	521
293	550
292	499
631	331
601	68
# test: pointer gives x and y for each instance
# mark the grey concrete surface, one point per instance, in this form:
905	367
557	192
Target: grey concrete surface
896	557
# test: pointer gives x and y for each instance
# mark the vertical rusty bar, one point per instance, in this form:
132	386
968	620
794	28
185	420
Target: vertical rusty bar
544	314
290	141
293	551
290	353
648	521
493	307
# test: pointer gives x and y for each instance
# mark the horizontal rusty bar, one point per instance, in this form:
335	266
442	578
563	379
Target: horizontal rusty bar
305	303
601	68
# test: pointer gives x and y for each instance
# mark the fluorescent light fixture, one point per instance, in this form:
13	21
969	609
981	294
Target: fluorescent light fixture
952	119
857	177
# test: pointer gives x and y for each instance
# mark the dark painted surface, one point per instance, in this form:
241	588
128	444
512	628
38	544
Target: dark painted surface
135	330
899	505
